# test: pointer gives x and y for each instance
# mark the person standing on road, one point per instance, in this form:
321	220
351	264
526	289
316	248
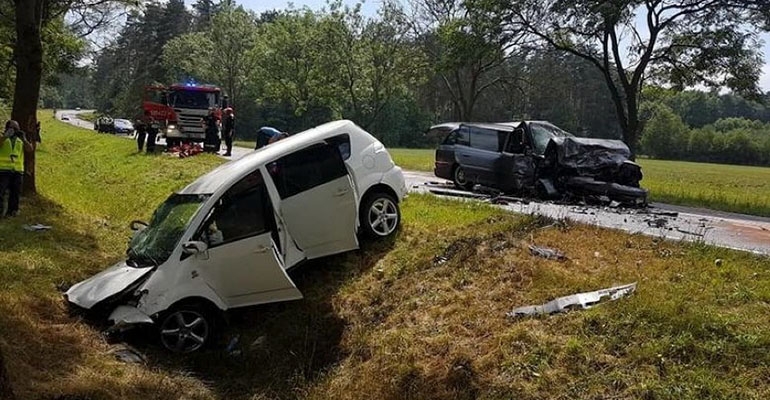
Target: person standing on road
211	126
152	134
228	130
141	133
13	143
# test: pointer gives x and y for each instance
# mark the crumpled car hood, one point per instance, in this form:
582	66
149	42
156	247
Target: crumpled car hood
101	286
589	154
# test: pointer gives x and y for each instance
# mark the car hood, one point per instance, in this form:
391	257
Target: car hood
588	154
105	284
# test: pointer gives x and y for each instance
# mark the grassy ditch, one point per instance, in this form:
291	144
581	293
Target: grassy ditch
389	321
733	188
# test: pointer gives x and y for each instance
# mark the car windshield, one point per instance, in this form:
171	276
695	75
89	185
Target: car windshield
196	99
157	241
542	132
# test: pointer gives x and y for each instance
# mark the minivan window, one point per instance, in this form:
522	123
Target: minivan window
243	211
542	132
484	139
343	144
306	169
157	241
459	136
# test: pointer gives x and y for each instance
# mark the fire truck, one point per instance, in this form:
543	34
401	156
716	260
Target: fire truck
177	109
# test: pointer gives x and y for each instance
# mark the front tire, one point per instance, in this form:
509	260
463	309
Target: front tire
186	328
380	215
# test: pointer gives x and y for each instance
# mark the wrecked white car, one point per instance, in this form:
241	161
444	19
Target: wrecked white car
228	239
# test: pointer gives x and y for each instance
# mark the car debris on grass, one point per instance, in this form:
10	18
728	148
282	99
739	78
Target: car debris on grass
579	301
547	253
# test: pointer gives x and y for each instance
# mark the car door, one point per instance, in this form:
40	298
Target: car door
483	154
318	202
243	263
516	168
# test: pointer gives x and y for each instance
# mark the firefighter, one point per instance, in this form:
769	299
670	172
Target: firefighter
152	134
141	133
13	143
228	130
211	127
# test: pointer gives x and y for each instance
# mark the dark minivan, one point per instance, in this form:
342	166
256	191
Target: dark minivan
535	157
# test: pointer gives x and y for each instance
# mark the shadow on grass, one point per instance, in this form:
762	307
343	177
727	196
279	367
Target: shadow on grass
282	347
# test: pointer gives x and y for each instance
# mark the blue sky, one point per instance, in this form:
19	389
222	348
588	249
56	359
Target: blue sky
370	8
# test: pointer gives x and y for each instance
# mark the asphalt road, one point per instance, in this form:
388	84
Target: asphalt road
722	229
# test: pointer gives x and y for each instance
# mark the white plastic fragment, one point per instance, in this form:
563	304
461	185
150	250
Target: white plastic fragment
577	301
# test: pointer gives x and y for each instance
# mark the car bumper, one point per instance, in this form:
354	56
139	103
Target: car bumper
127	317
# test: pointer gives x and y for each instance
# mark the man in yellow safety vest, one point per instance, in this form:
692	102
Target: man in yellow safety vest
13	142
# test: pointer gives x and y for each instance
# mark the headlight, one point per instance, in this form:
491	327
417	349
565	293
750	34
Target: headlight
171	127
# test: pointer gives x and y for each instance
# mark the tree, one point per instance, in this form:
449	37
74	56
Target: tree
683	42
665	135
223	53
31	18
465	47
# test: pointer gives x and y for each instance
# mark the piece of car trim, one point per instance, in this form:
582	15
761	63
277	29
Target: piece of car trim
575	301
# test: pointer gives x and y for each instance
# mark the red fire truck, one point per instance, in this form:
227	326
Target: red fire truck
178	109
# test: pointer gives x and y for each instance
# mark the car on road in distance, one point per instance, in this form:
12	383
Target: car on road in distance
123	126
65	118
536	158
227	239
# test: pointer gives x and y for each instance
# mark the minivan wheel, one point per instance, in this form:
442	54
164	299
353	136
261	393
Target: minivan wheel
460	179
186	328
380	215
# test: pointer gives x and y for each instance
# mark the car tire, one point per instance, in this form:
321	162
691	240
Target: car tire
186	328
460	178
380	215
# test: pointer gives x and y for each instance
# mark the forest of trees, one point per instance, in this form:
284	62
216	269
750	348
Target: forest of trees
410	66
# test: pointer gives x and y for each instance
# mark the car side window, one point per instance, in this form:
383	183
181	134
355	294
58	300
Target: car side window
484	139
343	144
243	211
306	169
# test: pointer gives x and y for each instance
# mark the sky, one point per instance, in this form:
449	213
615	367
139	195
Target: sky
370	8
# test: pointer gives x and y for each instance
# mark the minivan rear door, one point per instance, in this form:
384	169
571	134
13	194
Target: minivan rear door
318	202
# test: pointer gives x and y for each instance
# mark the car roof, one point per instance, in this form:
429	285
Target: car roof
227	174
507	126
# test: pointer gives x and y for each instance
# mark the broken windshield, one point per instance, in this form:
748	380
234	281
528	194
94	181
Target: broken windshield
157	241
542	132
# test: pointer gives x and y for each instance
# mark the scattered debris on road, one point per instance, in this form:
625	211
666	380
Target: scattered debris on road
547	253
37	227
185	150
577	301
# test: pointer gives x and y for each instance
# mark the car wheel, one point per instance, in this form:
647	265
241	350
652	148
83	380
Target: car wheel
186	328
380	215
460	178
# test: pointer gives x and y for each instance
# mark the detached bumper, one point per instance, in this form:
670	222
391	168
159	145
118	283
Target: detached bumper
127	317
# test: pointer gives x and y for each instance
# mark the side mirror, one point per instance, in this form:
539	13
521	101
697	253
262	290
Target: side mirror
137	225
194	247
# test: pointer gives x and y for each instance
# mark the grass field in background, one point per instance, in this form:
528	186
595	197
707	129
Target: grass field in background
386	322
733	188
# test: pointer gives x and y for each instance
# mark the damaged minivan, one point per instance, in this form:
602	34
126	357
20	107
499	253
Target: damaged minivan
228	238
539	159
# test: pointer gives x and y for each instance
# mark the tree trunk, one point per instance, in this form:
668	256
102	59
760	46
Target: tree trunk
5	384
28	54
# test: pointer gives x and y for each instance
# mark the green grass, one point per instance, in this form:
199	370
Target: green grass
722	187
386	322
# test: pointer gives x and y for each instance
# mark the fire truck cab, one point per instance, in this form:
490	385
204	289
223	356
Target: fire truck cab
178	109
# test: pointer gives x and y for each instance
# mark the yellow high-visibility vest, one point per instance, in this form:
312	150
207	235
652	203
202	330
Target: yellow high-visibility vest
12	155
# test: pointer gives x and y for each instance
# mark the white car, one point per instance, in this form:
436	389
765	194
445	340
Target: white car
227	239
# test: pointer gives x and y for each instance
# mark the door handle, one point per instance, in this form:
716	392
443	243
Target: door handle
341	192
466	155
262	249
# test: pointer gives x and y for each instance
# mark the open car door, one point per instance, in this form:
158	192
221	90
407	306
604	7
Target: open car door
243	263
318	202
